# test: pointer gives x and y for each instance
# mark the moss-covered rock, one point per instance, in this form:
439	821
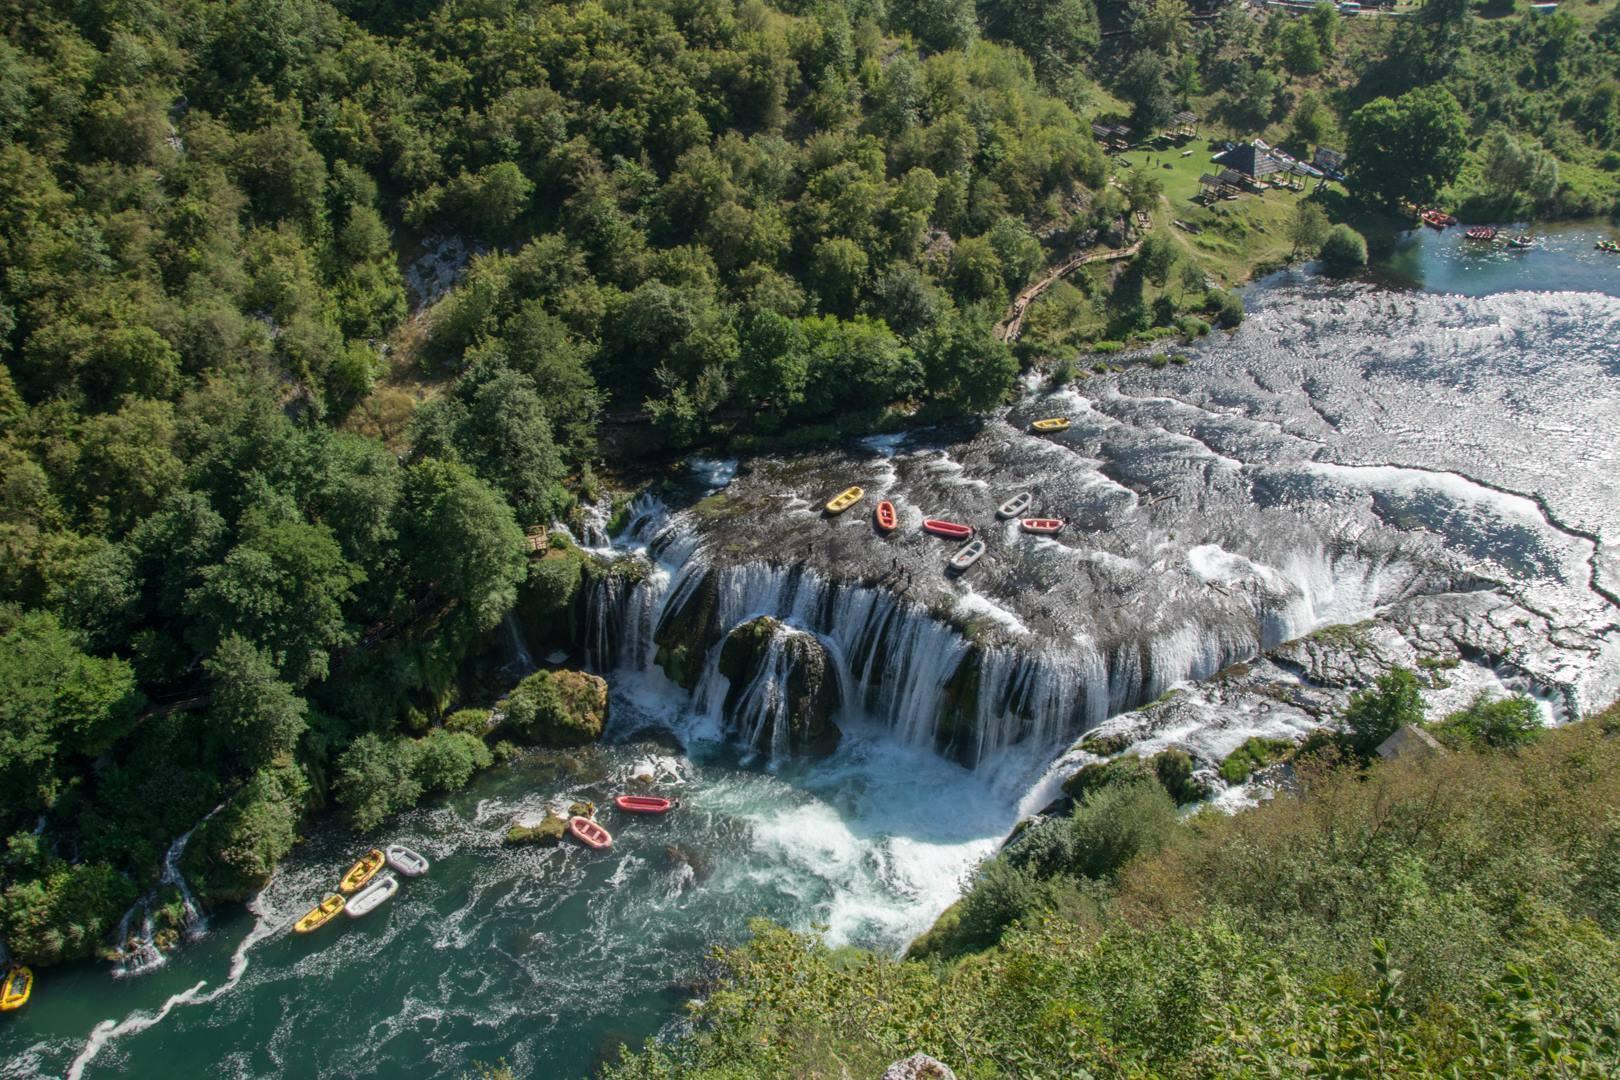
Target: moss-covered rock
1174	770
805	679
1101	774
1105	744
548	833
558	709
1255	753
551	599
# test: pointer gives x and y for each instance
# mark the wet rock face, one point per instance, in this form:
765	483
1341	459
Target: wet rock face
783	690
687	632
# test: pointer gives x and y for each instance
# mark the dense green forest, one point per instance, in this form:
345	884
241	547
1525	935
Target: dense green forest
258	507
1452	915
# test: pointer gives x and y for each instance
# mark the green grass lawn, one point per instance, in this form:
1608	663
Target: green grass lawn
1239	235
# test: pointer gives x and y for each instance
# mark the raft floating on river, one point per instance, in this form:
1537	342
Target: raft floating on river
590	833
1051	423
362	871
1042	526
19	985
372	896
406	861
1014	506
886	519
319	915
644	804
844	500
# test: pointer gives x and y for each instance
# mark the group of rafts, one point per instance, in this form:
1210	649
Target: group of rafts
361	891
972	551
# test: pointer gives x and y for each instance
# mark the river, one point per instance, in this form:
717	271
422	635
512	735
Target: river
1439	461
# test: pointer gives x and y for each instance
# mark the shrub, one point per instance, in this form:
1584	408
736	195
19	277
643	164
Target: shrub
376	778
1344	251
1228	309
444	760
64	912
234	852
1174	769
1116	824
1502	723
1375	714
471	721
1001	894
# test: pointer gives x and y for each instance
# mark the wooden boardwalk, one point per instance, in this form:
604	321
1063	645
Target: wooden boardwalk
1012	324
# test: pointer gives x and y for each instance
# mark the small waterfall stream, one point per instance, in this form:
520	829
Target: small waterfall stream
140	952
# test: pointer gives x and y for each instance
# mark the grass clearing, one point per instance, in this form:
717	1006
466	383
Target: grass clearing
1238	237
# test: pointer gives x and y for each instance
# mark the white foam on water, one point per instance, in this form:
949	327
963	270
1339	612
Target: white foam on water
885	445
109	1030
1211	562
977	605
713	473
883	834
954	472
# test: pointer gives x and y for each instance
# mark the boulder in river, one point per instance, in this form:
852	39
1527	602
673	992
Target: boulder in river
783	688
558	708
548	833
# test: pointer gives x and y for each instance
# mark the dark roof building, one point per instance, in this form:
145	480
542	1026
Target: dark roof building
1329	161
1251	160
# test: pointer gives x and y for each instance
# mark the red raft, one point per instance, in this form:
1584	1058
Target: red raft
590	833
886	519
645	804
947	528
1042	526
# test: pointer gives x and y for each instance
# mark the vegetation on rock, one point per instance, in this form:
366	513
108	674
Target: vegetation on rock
557	709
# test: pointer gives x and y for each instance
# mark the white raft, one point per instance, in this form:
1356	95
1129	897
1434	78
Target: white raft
371	897
406	861
1014	506
966	555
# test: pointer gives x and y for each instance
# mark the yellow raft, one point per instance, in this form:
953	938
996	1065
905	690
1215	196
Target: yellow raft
1053	423
14	992
362	871
320	914
845	499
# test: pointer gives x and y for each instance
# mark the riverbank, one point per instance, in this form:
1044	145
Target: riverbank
1303	936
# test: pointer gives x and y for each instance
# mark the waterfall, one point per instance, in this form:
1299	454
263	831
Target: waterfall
192	921
762	710
518	660
139	953
906	667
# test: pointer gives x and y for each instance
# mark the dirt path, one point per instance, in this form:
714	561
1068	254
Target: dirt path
1012	324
